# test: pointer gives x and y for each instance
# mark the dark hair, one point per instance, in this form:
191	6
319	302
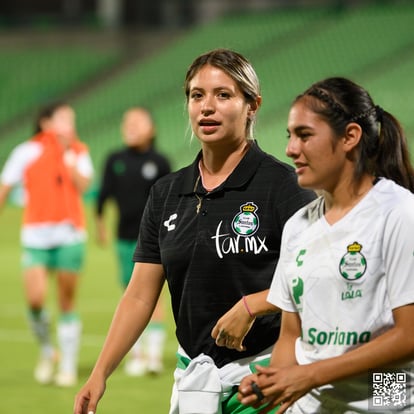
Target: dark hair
47	112
237	67
383	149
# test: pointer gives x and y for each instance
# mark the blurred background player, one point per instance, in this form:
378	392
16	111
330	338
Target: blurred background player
128	176
54	168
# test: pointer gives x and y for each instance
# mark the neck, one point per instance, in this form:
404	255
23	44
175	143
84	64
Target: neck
140	148
216	166
345	197
218	160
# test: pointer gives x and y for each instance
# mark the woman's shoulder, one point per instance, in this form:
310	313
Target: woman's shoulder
282	176
174	179
26	151
270	161
310	212
391	197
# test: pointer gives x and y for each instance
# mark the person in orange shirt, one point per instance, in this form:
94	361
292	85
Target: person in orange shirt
54	168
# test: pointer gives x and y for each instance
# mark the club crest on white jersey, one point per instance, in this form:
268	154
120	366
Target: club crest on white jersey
353	263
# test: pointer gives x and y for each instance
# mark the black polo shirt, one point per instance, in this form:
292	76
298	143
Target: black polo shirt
228	249
128	177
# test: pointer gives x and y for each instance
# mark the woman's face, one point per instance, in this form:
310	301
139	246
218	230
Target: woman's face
318	155
62	122
137	128
217	108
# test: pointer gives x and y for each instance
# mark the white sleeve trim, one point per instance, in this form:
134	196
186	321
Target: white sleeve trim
17	162
84	165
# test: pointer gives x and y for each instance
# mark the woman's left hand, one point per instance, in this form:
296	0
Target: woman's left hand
231	329
275	386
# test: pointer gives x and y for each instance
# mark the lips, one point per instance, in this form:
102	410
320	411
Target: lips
209	126
208	122
300	167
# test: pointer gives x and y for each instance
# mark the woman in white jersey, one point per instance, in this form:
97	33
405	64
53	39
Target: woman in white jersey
345	276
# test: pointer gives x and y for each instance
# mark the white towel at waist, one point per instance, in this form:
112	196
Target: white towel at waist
201	387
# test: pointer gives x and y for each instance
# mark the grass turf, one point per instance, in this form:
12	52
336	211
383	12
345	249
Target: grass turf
98	296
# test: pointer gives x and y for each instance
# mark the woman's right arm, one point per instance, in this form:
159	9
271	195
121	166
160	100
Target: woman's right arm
130	319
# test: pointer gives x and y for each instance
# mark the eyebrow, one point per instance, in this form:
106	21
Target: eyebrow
299	128
216	89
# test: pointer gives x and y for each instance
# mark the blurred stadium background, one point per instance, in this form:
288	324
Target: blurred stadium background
106	55
103	56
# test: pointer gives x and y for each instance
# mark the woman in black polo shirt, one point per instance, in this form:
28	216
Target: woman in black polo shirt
212	231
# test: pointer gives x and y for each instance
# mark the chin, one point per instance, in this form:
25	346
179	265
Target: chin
304	183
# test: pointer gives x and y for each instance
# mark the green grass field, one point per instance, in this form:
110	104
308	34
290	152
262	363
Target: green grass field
98	296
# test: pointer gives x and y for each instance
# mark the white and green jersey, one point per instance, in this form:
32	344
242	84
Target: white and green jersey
344	280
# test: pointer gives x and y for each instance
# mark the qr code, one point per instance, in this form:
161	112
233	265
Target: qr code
389	390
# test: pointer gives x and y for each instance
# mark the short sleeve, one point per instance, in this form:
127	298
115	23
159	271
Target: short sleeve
148	249
279	293
17	162
398	253
84	165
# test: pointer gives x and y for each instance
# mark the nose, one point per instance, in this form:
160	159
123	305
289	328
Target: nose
292	148
207	107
